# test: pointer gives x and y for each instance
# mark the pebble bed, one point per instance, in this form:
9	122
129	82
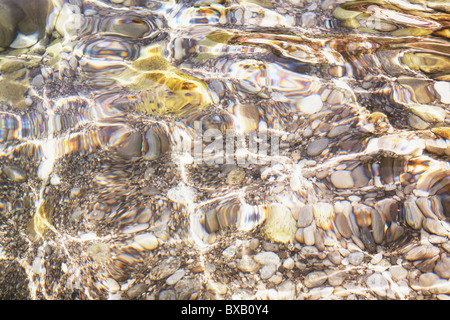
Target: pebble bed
100	198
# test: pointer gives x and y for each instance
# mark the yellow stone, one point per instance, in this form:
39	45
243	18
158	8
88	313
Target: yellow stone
220	36
40	221
442	131
280	225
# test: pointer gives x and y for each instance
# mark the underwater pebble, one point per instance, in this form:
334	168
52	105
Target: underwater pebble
342	179
165	268
443	89
316	147
305	216
267	271
315	279
174	278
442	268
99	252
417	122
267	257
429	113
335	257
398	272
310	104
147	240
421	252
184	195
286	290
378	284
15	173
336	277
248	264
216	287
280	225
136	290
355	258
235	177
289	263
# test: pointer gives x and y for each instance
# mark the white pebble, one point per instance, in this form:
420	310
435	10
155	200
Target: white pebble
310	104
267	257
289	263
443	89
174	278
376	258
55	180
268	271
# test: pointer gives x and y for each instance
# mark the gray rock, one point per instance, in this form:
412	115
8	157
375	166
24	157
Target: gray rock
309	235
229	252
38	81
413	215
131	146
316	147
360	177
378	226
343	225
15	173
309	251
342	179
216	287
305	216
434	226
320	293
289	263
338	130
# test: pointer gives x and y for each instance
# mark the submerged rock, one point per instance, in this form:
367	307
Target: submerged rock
280	225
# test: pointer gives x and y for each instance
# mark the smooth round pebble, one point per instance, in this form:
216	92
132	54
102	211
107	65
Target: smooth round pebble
267	271
428	280
398	272
174	278
355	258
342	179
316	147
289	263
267	257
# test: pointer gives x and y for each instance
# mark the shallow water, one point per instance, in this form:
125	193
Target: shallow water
139	138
